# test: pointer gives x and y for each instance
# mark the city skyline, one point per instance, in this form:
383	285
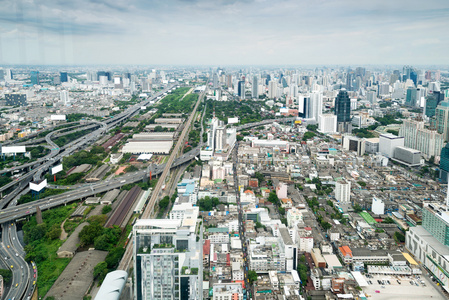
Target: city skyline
223	33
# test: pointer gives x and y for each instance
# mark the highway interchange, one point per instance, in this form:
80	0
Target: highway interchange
11	250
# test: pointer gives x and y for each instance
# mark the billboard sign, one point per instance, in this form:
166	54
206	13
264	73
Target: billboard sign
57	117
13	149
38	186
56	169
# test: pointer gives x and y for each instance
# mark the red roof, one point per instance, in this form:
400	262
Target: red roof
206	247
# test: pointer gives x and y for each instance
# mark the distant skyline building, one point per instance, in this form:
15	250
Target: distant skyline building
34	77
64	77
255	88
241	89
343	111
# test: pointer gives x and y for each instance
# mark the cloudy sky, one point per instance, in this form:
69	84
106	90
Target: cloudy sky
224	32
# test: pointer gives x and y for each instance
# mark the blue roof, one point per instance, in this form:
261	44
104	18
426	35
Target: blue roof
190	188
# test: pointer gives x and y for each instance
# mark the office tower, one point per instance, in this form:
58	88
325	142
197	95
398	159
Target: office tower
16	99
268	79
359	71
305	109
255	88
118	82
168	259
99	74
220	139
64	96
416	136
9	75
272	89
56	79
343	111
327	123
444	164
388	143
371	97
34	77
442	119
411	98
384	88
64	76
316	99
2	75
428	75
432	101
349	80
215	81
414	77
229	81
343	191
241	89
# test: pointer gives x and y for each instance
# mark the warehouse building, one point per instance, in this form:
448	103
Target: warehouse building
155	143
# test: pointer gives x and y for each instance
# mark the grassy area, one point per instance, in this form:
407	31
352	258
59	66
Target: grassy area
42	243
50	269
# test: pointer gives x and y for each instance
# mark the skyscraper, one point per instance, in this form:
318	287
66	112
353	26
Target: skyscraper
168	259
64	76
442	119
343	111
432	102
34	77
444	164
411	97
64	96
255	88
241	89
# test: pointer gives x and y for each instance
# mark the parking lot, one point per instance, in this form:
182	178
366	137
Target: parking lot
400	287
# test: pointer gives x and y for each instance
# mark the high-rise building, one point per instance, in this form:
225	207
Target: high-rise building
343	191
34	77
428	141
444	164
64	96
349	80
64	76
411	98
16	99
215	81
388	142
432	101
220	139
327	123
343	111
9	75
168	259
272	89
241	89
255	88
316	99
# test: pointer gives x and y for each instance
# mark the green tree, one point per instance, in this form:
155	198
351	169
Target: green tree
106	209
273	198
252	276
399	237
163	204
361	183
89	233
54	233
100	270
6	274
388	220
357	208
